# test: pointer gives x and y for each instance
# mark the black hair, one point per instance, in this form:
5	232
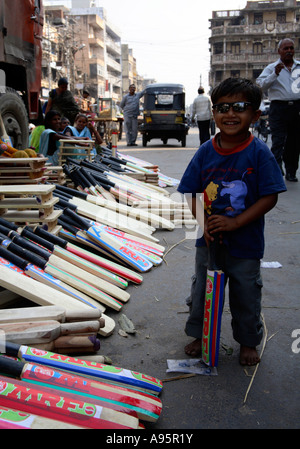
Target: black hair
49	116
233	86
62	81
201	90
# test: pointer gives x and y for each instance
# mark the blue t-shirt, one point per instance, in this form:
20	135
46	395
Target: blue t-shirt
232	182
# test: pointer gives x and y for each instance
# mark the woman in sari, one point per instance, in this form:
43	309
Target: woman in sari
62	100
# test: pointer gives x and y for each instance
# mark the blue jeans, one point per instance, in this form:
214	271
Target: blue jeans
245	286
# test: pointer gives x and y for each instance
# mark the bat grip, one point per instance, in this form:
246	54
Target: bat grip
70	191
81	222
11	367
13	258
50	237
67	226
27	255
28	233
33	247
8	224
213	253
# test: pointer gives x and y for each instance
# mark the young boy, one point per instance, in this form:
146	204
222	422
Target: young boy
240	180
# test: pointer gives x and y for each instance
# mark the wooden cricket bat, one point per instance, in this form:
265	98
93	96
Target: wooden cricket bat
96	371
15	419
58	313
66	266
67	408
112	245
59	247
31	289
105	264
44	278
74	281
146	406
36	332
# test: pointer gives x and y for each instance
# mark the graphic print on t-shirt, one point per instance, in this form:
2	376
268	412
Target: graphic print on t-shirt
226	198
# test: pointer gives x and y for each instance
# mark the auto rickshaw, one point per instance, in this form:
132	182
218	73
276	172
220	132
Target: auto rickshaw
164	113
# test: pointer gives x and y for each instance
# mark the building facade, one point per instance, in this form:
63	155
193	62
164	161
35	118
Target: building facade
244	41
82	44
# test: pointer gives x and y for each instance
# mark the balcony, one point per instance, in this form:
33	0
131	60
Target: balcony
263	28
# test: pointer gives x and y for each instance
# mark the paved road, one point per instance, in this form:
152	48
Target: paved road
158	310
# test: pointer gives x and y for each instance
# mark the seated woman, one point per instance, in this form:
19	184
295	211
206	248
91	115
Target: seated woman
83	128
49	140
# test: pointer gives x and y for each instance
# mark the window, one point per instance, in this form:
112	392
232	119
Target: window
281	17
235	48
235	73
218	48
257	48
258	18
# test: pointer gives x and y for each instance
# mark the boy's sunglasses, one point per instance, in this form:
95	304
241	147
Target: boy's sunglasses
237	106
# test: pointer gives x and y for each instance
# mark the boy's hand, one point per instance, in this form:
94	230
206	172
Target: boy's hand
221	223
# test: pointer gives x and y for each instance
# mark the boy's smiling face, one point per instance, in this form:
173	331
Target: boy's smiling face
234	126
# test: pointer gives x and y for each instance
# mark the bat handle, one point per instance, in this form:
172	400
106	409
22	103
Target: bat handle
213	253
11	367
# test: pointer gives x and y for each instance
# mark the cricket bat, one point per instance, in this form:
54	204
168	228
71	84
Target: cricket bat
35	271
15	419
146	406
67	408
213	307
96	371
59	247
64	265
116	269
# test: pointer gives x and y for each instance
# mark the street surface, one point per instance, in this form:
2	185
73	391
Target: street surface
158	311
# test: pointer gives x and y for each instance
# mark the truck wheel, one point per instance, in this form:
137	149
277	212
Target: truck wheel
15	118
183	142
144	140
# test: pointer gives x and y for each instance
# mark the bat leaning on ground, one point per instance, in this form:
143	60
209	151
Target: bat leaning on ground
213	307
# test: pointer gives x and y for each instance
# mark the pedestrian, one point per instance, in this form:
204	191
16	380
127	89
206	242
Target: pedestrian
131	108
240	180
202	113
281	81
62	101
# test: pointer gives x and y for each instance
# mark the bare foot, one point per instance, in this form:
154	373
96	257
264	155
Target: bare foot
194	349
248	356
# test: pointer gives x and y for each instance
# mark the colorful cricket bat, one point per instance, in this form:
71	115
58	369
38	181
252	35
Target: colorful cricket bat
98	371
213	309
15	419
17	394
146	406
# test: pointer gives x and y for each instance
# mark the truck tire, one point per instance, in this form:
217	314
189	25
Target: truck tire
15	118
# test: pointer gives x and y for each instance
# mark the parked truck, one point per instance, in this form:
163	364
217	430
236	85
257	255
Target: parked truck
21	33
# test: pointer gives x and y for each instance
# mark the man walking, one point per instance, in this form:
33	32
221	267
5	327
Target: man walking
202	111
130	105
281	80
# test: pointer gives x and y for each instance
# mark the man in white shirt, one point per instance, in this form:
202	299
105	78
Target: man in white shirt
202	112
281	80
